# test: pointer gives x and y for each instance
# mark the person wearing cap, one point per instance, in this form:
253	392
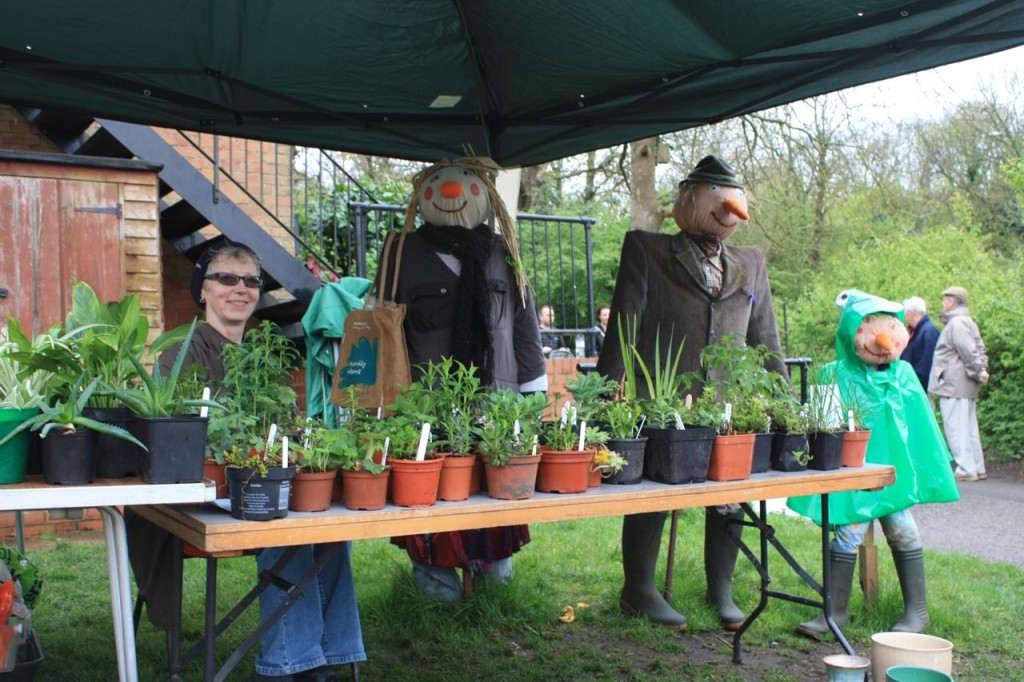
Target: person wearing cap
923	337
321	629
959	367
690	285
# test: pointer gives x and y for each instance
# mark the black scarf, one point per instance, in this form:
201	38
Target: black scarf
472	340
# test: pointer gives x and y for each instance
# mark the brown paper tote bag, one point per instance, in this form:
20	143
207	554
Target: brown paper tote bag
373	356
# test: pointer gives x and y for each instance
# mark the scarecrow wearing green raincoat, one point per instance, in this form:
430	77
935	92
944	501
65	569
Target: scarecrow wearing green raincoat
904	434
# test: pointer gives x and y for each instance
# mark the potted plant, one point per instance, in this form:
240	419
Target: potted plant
624	419
165	422
68	449
790	451
318	455
565	458
365	478
23	391
675	453
415	466
510	452
111	335
856	436
259	479
455	397
732	451
824	436
607	463
254	393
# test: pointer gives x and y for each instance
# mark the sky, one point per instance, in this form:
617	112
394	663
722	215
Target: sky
928	94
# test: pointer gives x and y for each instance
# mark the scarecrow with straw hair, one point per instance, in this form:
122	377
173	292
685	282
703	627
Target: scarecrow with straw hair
467	297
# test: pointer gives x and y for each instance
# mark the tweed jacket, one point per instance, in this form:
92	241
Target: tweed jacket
660	283
959	357
428	286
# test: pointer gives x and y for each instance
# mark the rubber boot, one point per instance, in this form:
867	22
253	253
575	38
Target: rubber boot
441	582
719	562
910	570
841	567
641	543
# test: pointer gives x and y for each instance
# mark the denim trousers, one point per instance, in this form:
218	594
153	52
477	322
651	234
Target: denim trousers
322	627
899	528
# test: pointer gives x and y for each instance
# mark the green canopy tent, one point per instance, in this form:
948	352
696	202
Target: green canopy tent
525	81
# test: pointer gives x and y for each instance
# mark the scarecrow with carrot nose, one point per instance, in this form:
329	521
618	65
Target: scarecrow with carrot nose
904	434
678	293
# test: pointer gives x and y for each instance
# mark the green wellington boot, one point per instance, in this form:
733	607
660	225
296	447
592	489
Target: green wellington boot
841	567
641	543
719	562
910	570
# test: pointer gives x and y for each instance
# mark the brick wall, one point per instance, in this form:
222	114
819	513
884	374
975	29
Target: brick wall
18	134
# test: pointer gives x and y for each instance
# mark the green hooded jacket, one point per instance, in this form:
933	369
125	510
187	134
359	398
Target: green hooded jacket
324	323
904	432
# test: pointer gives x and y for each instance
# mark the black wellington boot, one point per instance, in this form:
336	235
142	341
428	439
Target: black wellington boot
841	568
910	570
719	562
641	543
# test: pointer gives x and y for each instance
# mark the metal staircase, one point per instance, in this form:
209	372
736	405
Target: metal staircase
189	203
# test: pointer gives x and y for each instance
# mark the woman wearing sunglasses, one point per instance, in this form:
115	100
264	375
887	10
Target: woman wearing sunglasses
321	630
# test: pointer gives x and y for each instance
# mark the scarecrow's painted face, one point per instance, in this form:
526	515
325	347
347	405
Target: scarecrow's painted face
454	196
710	210
880	338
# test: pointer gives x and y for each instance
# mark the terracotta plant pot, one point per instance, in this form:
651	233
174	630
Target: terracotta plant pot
311	490
477	482
516	480
731	457
456	478
564	471
414	483
216	473
855	448
594	478
364	490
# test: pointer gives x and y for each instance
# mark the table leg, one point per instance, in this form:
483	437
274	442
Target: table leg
826	578
120	592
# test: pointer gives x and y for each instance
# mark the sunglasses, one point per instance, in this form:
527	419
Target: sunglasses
230	279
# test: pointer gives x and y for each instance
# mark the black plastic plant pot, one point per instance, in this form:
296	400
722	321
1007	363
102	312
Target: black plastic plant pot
69	458
826	450
115	457
785	447
632	450
177	448
762	453
259	498
676	456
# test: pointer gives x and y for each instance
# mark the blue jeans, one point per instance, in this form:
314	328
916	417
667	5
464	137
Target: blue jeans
899	528
322	628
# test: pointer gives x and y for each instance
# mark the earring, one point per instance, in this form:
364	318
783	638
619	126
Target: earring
202	299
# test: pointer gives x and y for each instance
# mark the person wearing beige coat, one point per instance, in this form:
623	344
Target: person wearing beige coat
959	367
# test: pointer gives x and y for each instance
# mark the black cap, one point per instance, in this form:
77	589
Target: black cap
713	169
203	262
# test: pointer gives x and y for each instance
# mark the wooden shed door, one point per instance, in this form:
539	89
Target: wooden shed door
53	233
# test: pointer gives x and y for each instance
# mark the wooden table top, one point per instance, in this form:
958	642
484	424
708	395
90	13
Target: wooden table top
213	530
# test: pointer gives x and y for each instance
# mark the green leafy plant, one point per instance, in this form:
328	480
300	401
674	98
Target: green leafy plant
404	433
623	417
66	414
23	383
496	436
321	448
750	416
588	391
254	454
156	394
661	412
112	340
446	395
786	415
607	462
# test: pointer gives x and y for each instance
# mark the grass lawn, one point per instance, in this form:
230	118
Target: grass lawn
513	632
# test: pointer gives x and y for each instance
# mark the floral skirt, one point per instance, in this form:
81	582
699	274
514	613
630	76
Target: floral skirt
473	549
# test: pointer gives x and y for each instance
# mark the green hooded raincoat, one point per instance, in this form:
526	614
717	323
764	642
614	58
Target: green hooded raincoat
904	433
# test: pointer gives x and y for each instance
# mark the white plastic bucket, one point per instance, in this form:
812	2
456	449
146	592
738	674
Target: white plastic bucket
844	668
889	649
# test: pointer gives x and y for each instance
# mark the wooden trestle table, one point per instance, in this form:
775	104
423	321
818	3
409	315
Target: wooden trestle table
214	531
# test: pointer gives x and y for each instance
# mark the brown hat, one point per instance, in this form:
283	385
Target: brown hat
959	293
